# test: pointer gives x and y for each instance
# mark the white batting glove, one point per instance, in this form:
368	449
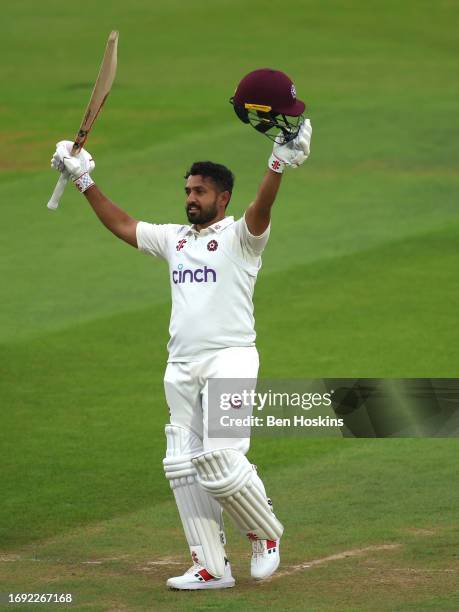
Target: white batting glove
293	153
77	168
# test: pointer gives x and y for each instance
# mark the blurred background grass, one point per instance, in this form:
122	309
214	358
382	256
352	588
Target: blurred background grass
360	275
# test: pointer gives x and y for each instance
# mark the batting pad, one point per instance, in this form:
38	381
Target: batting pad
201	515
228	476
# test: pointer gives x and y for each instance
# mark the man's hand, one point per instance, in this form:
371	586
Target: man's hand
293	153
77	167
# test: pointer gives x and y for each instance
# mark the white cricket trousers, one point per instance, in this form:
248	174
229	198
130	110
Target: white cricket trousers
185	385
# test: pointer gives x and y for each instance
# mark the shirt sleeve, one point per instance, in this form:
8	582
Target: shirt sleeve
254	244
152	239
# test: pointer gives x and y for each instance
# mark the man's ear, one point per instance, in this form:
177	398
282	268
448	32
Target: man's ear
225	197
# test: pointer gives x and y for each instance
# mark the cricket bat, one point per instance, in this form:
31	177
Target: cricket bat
99	95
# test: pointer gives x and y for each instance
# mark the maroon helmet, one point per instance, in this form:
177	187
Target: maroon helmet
265	98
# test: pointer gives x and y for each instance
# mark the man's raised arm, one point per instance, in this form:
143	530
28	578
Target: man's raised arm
258	214
114	218
79	167
293	154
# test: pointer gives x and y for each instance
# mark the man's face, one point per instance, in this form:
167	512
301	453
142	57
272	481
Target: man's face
203	201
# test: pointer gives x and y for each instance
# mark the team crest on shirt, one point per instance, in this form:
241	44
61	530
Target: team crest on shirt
212	245
180	245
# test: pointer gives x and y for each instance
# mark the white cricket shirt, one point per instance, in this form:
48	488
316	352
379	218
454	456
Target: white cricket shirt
212	275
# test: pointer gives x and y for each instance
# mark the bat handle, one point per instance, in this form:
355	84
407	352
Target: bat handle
58	191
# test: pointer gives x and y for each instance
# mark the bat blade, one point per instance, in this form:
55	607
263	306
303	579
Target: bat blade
101	90
99	94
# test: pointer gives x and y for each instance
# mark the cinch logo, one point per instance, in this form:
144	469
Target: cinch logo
201	275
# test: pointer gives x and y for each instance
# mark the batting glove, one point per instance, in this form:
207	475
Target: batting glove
77	168
293	153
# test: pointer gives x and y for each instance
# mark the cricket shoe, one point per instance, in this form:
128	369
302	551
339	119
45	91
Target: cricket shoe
265	558
197	577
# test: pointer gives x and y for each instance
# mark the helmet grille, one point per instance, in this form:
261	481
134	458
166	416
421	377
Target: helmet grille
276	126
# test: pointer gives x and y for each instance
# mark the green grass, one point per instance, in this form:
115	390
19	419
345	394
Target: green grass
359	279
113	564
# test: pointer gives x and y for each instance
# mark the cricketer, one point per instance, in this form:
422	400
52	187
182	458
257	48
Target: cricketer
213	265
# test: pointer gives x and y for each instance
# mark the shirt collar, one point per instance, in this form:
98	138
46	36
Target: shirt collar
216	227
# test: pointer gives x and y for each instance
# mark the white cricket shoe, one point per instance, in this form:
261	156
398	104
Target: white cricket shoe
265	558
197	577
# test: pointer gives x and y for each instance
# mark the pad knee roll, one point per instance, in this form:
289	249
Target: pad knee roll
228	477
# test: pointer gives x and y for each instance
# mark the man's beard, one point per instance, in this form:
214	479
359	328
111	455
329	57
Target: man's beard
200	216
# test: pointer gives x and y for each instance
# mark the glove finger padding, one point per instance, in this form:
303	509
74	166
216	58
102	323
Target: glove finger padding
298	160
57	163
86	160
306	127
306	134
65	144
292	153
303	140
303	145
75	165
